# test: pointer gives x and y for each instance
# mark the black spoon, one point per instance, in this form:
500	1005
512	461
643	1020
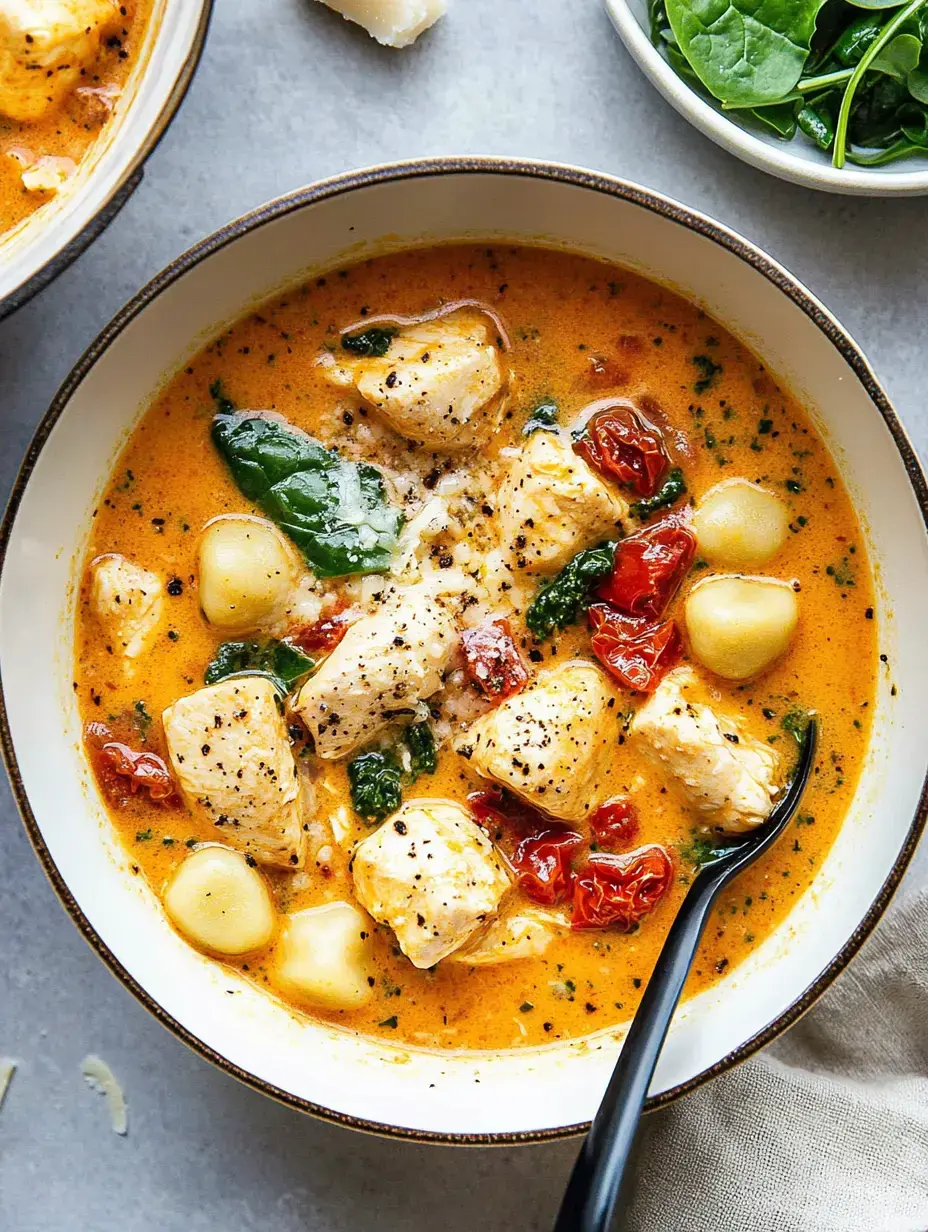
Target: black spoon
597	1176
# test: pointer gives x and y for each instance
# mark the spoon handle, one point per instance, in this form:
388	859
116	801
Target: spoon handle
597	1175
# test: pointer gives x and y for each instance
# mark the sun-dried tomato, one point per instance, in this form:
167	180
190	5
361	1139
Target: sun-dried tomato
323	636
493	660
635	652
615	823
500	813
542	862
616	891
122	771
619	443
648	568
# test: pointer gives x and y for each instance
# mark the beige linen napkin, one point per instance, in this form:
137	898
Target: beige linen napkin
824	1131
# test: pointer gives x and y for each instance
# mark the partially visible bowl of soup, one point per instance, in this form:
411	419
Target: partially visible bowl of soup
437	567
86	89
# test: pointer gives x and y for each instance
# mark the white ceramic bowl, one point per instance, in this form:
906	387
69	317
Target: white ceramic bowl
797	161
39	248
526	1095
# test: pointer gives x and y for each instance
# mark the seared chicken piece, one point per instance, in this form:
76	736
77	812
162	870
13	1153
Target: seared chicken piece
381	668
439	383
46	47
432	875
526	934
552	505
552	744
230	753
128	601
395	23
724	775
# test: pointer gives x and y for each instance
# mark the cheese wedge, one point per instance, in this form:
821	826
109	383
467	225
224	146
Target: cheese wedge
395	23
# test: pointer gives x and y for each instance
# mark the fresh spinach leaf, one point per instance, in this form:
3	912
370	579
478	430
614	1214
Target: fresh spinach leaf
370	342
856	39
285	664
543	418
898	58
337	512
745	53
559	602
816	123
673	487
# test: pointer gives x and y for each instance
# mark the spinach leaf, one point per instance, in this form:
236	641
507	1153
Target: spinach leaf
423	755
370	342
335	511
816	123
375	780
856	39
898	58
746	53
796	722
543	418
284	664
559	602
673	487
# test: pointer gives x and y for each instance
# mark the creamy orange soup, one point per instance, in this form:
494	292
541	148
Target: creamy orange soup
69	64
581	942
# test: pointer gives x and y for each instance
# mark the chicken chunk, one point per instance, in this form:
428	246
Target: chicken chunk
552	744
552	505
524	934
230	753
724	775
432	875
46	47
383	666
439	383
128	602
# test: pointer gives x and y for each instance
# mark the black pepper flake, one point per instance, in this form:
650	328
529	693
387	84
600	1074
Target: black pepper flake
175	587
399	827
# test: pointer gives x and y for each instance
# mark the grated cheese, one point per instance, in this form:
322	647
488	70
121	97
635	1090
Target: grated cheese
100	1078
7	1070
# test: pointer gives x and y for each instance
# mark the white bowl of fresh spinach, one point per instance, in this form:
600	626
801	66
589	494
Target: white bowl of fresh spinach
831	94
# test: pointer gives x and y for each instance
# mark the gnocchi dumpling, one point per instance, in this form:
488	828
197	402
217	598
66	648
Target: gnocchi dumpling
324	956
247	570
740	525
738	626
220	903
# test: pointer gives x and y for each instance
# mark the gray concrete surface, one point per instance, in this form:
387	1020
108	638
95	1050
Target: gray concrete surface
287	93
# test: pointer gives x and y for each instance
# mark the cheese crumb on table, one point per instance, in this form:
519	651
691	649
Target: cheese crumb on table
395	23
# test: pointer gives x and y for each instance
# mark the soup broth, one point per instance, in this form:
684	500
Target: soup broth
543	913
46	132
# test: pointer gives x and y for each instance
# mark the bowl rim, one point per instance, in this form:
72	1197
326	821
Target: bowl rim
341	185
770	156
72	244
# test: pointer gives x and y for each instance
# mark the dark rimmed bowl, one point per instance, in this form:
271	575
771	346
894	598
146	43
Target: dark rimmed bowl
529	1095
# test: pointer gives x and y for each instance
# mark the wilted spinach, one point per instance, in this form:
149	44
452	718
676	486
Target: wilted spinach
284	664
374	341
673	487
543	418
559	602
337	512
377	777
